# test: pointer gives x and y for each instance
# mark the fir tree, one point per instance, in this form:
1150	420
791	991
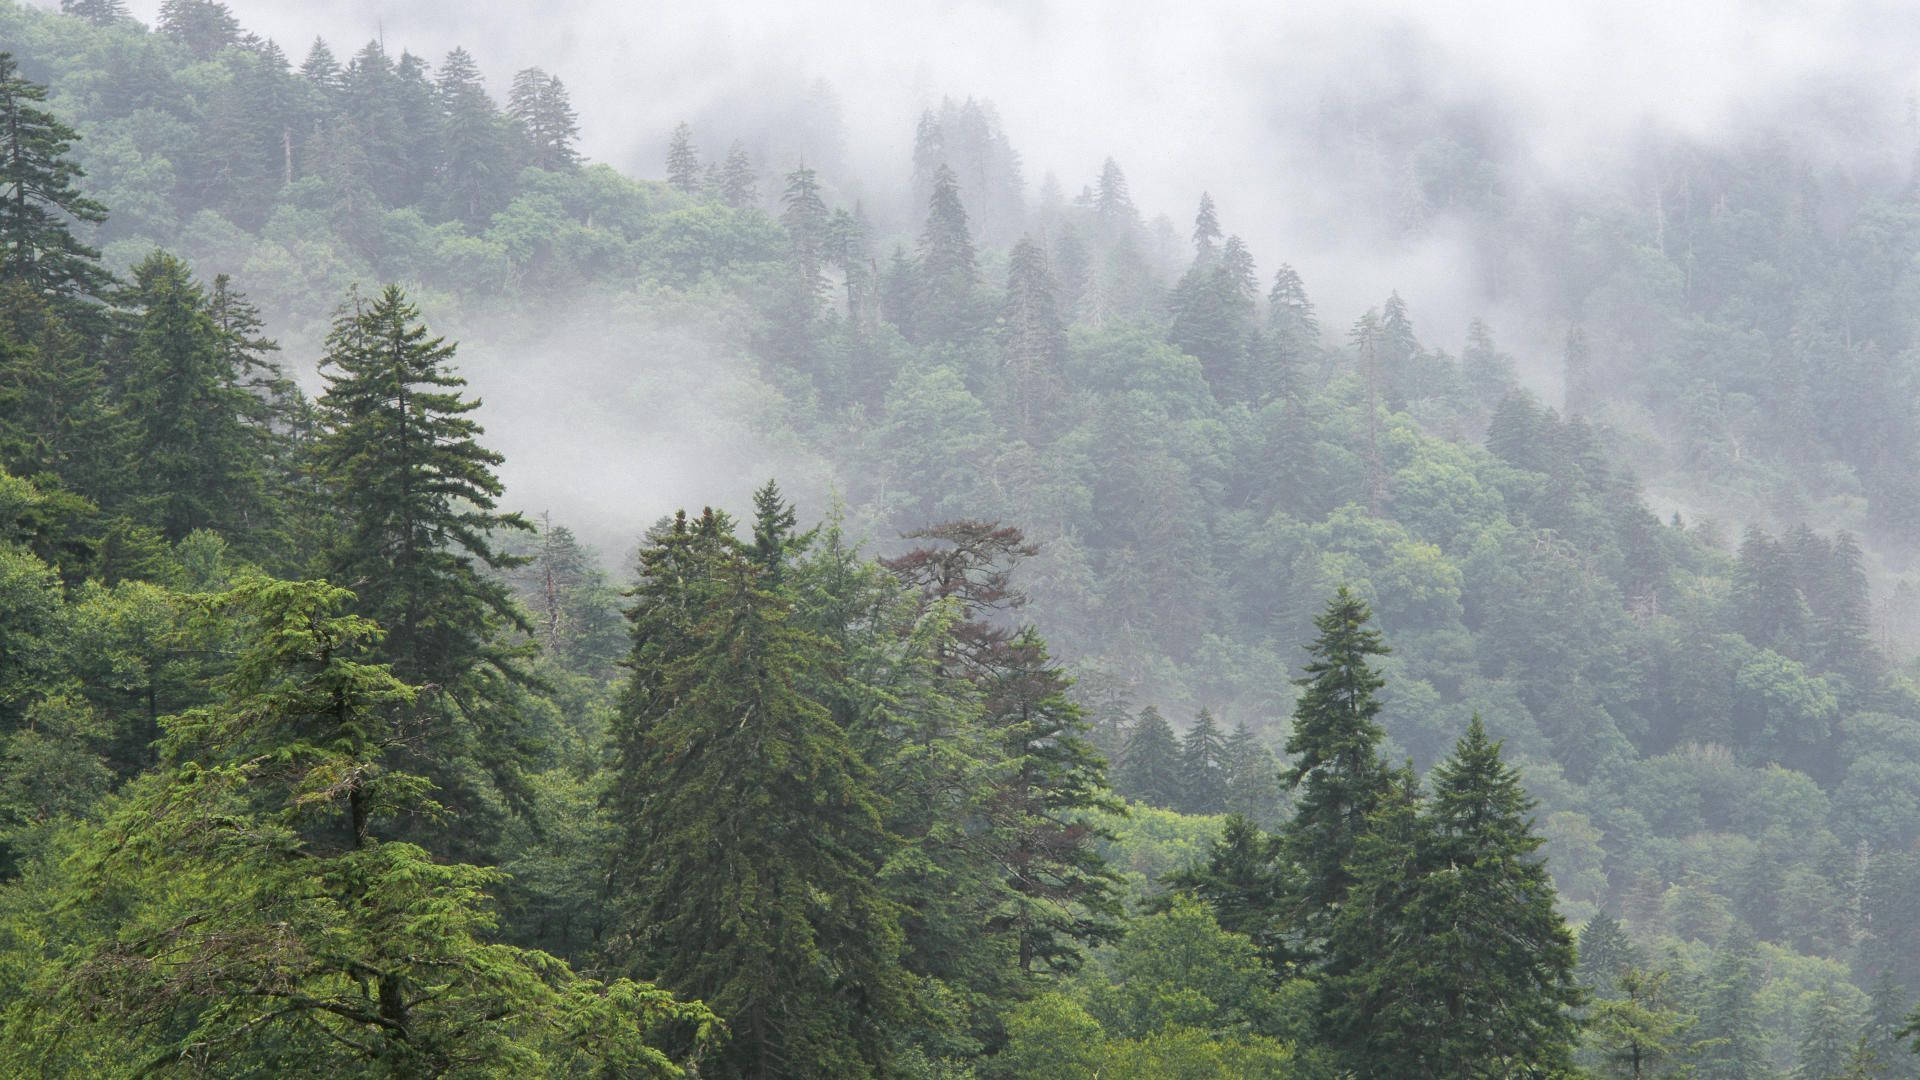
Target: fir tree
1605	954
1203	780
1150	765
1033	340
1252	778
948	297
203	26
1505	957
476	160
1638	1033
1063	894
805	215
202	430
1336	770
1245	882
539	106
1827	1042
683	161
786	934
38	199
414	495
97	12
1731	1038
739	181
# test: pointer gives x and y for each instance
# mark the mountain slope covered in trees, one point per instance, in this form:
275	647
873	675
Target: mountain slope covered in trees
320	756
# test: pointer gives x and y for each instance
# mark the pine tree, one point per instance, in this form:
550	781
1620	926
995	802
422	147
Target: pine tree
1150	766
786	934
1887	1027
97	12
1206	231
683	161
203	26
948	308
1203	781
1336	771
38	198
1033	340
1113	204
413	494
1073	269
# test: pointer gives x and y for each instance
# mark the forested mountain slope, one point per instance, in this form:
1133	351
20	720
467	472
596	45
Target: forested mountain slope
1141	439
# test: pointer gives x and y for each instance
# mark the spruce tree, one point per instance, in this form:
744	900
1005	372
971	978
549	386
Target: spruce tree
1064	896
948	307
1827	1041
1639	1033
1252	778
38	200
97	12
412	501
476	158
1150	764
203	26
1203	774
1245	882
1336	772
683	161
245	913
202	430
539	106
1033	340
753	833
1505	958
1731	1038
1606	953
739	181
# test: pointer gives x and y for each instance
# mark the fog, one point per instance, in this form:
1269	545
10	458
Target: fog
1251	101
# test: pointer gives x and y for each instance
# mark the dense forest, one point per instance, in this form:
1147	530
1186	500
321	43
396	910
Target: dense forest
1124	674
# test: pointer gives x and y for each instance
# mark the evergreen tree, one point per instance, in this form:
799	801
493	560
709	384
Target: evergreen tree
97	12
1638	1034
805	215
1245	882
1827	1042
1113	203
785	934
683	161
1731	1038
1887	1027
538	105
1606	953
1203	779
38	198
244	915
1336	771
202	431
948	308
1063	894
476	159
413	494
1252	778
1073	269
1150	766
1033	340
739	181
1505	957
203	26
